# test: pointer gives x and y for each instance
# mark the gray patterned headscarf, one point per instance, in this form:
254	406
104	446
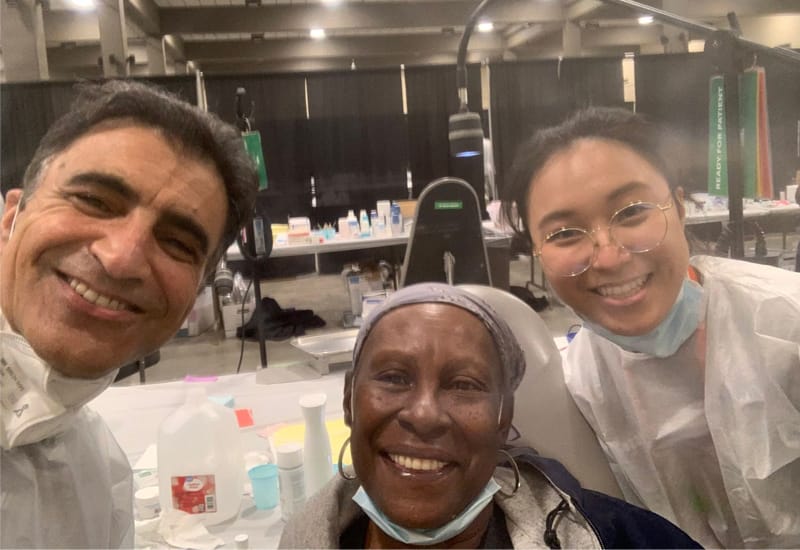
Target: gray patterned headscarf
511	356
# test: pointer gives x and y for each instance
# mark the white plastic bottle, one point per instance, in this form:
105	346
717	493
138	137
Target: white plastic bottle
200	459
352	225
291	477
316	443
364	220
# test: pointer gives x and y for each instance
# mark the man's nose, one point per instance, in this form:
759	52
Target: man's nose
123	249
424	414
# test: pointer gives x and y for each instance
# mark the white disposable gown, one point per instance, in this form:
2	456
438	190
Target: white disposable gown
72	490
709	437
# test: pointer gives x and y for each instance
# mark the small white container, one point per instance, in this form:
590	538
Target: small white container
291	478
147	503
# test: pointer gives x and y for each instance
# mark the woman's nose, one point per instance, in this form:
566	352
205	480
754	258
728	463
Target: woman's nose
608	254
424	414
123	248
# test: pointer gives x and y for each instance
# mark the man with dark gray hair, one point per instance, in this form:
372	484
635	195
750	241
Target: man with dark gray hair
126	206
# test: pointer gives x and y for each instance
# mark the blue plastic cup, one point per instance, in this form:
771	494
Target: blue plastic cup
264	479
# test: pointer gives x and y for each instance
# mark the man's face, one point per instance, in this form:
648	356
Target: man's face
107	254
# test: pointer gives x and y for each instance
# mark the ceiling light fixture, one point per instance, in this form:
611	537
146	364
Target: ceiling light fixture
485	26
82	5
645	19
317	34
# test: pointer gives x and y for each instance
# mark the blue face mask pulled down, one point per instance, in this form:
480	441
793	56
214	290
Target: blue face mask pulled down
427	537
664	340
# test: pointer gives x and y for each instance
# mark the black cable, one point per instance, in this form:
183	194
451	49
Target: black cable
241	326
550	524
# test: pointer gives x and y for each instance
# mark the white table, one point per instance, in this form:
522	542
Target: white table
491	237
134	413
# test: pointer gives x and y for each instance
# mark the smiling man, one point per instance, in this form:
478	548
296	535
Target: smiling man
126	206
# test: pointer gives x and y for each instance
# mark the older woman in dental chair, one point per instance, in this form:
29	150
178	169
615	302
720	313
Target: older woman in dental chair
430	402
687	369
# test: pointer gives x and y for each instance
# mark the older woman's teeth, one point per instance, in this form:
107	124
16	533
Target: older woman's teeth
94	297
419	464
622	291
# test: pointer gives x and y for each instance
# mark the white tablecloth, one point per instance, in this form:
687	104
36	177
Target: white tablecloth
134	413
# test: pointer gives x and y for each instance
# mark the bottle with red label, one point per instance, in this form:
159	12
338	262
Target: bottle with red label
200	459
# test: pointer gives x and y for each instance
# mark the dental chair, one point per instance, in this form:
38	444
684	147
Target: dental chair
545	415
446	242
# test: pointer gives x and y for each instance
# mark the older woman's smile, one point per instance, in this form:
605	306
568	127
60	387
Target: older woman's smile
416	464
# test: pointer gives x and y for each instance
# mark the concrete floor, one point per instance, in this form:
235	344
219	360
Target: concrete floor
212	354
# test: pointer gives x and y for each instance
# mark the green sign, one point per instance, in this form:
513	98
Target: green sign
252	143
717	139
448	205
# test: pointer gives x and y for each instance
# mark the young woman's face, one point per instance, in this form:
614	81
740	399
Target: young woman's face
582	186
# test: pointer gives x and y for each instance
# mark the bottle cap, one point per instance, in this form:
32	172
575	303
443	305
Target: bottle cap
289	455
242	541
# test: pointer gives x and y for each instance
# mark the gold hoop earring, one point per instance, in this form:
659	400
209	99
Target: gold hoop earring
341	456
514	466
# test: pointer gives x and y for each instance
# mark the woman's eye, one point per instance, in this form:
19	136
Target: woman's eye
633	214
394	378
565	237
467	385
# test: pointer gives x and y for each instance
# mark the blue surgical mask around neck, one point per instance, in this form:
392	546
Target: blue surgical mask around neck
664	340
427	537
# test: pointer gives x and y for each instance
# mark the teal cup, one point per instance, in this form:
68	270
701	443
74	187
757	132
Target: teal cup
264	479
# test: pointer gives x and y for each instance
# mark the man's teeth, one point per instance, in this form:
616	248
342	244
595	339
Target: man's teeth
94	297
622	291
420	464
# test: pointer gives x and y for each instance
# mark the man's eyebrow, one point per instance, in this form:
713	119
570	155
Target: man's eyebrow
118	185
111	182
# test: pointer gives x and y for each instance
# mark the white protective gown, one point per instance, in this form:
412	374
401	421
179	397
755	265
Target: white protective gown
65	482
710	437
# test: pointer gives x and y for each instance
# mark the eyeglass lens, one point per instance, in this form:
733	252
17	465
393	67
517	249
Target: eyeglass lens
637	228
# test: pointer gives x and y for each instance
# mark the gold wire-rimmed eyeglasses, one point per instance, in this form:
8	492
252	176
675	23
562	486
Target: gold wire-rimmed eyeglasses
637	228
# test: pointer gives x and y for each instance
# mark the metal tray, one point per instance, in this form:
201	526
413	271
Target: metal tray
329	349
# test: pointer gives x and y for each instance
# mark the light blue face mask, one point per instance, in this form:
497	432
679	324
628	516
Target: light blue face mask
664	340
426	537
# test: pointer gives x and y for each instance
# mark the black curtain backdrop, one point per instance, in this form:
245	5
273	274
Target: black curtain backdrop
29	108
530	95
673	90
783	102
359	144
280	116
431	97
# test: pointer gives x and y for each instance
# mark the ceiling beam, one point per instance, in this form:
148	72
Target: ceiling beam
347	47
145	14
368	15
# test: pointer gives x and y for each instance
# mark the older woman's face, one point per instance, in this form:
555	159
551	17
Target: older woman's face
426	401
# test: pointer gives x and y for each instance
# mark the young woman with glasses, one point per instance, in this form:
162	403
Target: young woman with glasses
688	369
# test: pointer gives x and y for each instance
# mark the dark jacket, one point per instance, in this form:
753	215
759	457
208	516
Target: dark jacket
617	523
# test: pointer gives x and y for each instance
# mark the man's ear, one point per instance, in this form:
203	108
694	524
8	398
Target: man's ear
346	400
12	204
679	206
